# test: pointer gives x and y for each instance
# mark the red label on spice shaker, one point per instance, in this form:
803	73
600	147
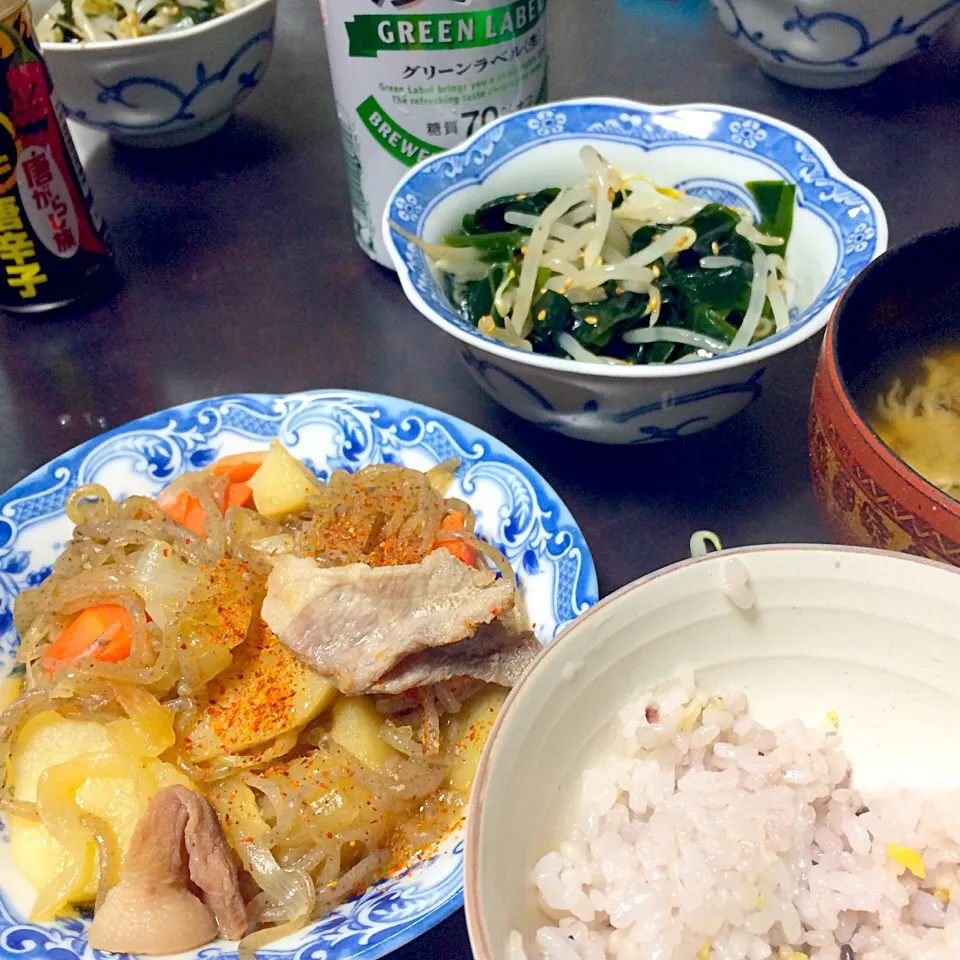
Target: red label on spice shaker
46	198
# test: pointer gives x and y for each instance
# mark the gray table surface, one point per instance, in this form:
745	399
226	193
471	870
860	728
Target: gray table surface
240	274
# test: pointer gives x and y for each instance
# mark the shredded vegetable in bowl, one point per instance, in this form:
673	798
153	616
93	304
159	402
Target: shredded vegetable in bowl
79	21
245	701
616	269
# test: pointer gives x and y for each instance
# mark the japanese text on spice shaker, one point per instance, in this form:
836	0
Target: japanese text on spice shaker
414	77
53	248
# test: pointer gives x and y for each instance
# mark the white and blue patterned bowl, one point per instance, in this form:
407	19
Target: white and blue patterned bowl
168	89
829	44
710	151
516	509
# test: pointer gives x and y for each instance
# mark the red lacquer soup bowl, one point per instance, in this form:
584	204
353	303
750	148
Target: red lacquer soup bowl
867	494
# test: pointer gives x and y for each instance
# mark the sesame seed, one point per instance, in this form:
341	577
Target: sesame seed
542	315
592	320
715	247
611	194
656	270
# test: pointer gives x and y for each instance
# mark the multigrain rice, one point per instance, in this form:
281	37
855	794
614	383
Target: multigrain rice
705	836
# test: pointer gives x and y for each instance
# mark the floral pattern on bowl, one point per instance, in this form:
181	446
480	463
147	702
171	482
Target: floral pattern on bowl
516	509
709	150
167	89
833	43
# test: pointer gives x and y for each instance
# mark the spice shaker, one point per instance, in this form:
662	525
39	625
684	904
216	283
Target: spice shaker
53	247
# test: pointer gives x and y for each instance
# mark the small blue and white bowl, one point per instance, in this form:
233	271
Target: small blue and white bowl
710	151
829	44
168	89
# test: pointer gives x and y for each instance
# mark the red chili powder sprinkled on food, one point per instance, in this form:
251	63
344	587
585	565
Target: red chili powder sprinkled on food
267	700
232	590
366	525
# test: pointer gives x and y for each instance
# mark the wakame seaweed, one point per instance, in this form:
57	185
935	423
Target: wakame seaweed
490	217
776	201
711	300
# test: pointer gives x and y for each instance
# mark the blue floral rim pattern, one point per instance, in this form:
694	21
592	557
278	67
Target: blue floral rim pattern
850	213
331	430
918	32
243	70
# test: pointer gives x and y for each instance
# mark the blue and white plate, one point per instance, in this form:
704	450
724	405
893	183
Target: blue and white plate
709	151
516	509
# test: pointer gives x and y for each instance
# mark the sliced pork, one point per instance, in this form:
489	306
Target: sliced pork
493	654
354	623
177	851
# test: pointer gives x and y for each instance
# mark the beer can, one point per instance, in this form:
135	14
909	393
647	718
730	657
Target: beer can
414	77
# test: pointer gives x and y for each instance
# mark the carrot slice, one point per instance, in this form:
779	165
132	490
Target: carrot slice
240	467
238	494
104	632
175	507
185	509
455	521
195	519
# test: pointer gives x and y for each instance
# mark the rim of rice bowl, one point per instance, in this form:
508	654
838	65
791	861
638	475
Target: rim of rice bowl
561	650
801	331
170	36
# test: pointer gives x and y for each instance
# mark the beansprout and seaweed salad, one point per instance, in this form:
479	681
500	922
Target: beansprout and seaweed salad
80	21
617	269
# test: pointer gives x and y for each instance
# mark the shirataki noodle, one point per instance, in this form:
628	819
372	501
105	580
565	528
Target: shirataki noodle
309	822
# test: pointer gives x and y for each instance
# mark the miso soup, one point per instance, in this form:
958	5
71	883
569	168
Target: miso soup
912	401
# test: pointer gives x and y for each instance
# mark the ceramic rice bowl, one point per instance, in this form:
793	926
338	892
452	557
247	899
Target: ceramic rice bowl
871	636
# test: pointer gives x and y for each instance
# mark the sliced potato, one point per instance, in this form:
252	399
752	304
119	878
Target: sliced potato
41	858
10	690
266	692
49	740
472	727
347	805
356	728
239	813
282	483
167	775
216	618
46	740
